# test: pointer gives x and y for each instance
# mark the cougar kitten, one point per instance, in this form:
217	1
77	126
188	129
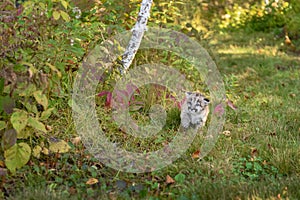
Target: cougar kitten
194	110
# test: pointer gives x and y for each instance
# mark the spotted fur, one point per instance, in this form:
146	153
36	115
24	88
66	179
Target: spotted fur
194	110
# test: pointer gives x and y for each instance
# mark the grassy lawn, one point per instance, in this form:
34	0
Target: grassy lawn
256	157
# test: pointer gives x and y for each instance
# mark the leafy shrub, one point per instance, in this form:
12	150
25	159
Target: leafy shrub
256	16
43	44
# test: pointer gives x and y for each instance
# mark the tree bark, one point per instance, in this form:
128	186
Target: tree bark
137	34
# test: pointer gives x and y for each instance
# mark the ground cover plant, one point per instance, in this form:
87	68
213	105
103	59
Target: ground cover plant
257	155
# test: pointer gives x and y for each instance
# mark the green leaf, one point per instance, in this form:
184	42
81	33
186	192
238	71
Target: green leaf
65	16
2	125
42	5
20	68
17	156
257	167
179	178
1	85
59	147
46	114
28	91
19	120
56	15
41	98
248	165
36	124
65	4
25	133
30	107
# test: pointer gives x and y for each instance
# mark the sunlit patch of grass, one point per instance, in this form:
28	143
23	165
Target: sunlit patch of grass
262	82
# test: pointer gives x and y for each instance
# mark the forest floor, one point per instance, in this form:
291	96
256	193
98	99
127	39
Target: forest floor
257	156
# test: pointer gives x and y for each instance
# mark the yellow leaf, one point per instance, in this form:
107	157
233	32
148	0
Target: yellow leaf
65	16
65	4
53	68
92	181
17	156
42	5
41	98
59	147
36	124
2	125
56	15
46	114
36	152
45	151
19	120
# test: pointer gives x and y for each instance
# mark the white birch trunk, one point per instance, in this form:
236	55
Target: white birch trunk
137	34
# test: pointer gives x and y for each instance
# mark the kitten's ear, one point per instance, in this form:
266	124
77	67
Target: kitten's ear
206	101
188	94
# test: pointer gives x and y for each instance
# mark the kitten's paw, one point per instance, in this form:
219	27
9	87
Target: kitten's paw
185	123
185	126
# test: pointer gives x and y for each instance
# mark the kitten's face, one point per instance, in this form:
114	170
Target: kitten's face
196	102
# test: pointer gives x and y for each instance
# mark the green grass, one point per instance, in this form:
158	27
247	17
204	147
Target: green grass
257	158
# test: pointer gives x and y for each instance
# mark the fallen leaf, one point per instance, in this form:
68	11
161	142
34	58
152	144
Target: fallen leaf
36	152
231	105
48	128
169	180
254	152
59	146
196	154
278	196
45	151
72	190
3	172
92	181
2	163
76	140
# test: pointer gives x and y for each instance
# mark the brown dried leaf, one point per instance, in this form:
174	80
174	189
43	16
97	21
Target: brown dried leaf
169	180
3	172
76	140
92	181
196	154
2	163
254	152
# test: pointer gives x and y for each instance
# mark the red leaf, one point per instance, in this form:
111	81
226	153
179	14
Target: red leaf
103	93
219	109
231	105
196	154
108	100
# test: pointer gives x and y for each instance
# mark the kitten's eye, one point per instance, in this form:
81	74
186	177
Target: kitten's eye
206	100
